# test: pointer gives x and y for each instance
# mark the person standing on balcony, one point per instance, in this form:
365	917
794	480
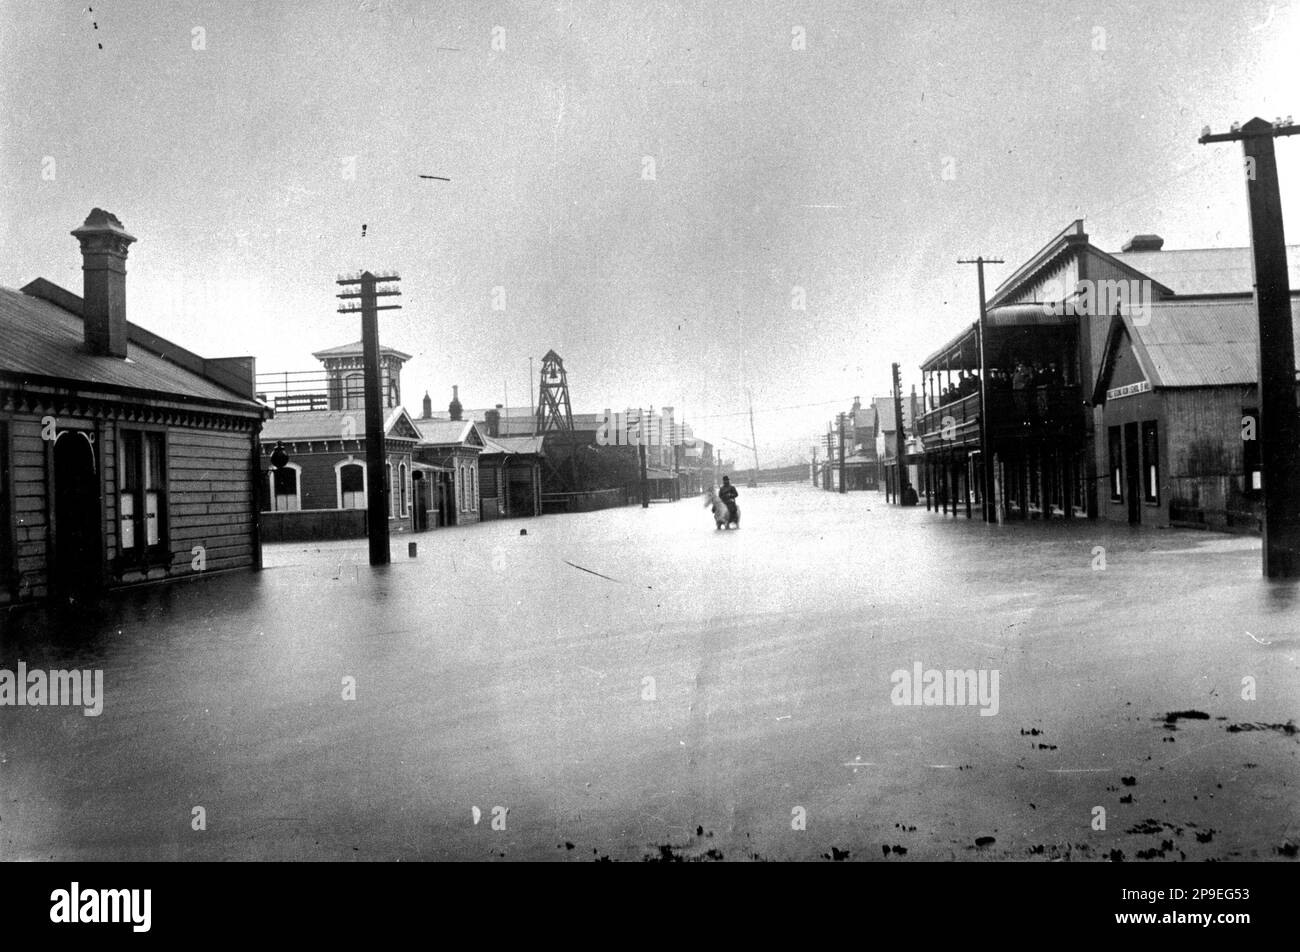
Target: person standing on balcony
1020	383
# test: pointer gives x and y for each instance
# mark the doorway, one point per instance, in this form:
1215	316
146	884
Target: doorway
422	501
76	567
1132	474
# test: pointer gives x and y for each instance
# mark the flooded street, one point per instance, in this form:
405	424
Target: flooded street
633	683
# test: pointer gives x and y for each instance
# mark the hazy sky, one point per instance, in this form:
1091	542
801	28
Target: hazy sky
774	168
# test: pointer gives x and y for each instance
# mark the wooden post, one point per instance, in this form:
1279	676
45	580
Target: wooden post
844	486
377	488
1278	431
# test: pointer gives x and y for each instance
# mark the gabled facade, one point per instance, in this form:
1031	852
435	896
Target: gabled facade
454	447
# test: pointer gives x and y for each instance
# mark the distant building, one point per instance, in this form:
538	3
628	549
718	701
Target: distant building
453	447
123	457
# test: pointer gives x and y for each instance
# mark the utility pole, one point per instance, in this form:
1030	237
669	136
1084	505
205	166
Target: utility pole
640	449
1279	421
826	480
843	485
814	466
753	440
369	287
900	439
986	454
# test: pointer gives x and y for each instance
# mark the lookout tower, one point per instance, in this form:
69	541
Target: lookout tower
554	413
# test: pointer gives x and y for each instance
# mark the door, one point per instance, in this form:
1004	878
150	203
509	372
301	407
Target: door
76	565
422	503
1132	474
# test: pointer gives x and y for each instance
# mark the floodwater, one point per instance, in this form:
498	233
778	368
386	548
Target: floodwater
633	684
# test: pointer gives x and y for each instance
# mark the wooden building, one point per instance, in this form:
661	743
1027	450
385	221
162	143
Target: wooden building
1179	404
1115	387
124	458
510	477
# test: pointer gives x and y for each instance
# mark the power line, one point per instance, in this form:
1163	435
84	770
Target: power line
793	406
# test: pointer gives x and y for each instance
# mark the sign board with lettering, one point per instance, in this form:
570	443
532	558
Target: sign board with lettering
1142	386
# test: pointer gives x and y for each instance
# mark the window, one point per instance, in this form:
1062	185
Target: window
473	496
141	492
401	475
352	485
1254	471
286	488
1116	440
354	392
388	476
1150	461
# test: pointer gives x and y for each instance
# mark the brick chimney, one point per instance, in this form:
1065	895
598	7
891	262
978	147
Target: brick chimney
103	265
493	420
454	408
427	410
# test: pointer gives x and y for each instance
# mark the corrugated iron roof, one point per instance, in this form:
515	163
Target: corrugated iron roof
445	432
1201	343
1206	270
42	339
303	425
513	444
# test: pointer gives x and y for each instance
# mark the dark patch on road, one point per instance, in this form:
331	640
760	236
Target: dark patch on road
1289	728
837	855
1173	717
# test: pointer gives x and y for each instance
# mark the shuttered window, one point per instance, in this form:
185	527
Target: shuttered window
142	492
1116	441
1150	461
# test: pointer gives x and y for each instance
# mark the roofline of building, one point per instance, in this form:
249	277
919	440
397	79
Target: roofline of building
16	380
216	370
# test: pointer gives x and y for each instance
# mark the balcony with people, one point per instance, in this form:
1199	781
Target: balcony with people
1028	379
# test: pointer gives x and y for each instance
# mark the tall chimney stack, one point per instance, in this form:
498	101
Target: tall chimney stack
454	408
104	245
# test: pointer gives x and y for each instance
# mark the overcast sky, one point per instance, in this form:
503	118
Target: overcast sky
774	168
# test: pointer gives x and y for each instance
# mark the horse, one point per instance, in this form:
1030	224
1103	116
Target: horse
721	516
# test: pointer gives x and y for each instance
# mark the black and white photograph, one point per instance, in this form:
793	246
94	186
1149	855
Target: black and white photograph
852	431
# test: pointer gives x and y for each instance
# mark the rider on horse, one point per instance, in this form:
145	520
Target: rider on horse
728	495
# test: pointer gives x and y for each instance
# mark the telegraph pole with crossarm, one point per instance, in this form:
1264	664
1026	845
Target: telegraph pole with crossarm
360	296
1279	420
986	455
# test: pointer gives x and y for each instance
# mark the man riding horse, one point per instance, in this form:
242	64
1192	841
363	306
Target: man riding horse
728	495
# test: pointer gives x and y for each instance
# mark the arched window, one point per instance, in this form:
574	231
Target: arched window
401	475
388	476
351	480
473	496
286	488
